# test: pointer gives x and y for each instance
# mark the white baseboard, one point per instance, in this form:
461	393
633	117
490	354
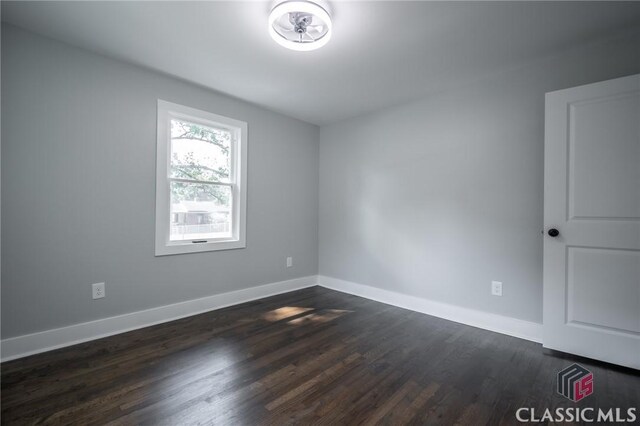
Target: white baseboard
29	344
485	320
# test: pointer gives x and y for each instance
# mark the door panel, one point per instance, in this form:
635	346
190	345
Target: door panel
603	278
604	176
592	196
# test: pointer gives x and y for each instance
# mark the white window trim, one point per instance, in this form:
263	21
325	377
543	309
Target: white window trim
164	246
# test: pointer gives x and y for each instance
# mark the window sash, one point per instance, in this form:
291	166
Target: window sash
232	145
177	241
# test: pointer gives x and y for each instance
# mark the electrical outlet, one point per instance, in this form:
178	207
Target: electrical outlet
289	262
496	288
98	290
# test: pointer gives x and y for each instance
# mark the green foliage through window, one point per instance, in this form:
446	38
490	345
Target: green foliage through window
202	154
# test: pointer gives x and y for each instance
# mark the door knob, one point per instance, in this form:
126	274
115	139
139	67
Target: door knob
553	232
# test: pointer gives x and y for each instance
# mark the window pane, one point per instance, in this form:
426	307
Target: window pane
199	152
200	211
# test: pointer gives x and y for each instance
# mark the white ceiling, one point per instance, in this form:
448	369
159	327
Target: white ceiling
381	53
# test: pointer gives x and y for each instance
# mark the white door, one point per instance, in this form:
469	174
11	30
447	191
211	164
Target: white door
592	198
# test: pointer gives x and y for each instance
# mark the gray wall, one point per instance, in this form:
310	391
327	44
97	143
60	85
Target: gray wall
434	198
439	197
78	190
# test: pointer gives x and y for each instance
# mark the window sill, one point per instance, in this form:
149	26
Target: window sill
163	249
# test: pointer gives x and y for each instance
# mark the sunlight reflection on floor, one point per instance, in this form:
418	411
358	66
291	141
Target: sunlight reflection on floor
326	316
284	312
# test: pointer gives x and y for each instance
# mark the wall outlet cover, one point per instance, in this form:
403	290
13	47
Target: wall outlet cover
98	290
496	288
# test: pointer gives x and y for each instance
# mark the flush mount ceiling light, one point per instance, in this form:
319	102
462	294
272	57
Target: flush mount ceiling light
300	25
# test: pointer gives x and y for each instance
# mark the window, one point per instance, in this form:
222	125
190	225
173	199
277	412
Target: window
200	182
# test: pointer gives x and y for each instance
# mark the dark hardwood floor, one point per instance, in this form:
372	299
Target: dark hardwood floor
310	356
